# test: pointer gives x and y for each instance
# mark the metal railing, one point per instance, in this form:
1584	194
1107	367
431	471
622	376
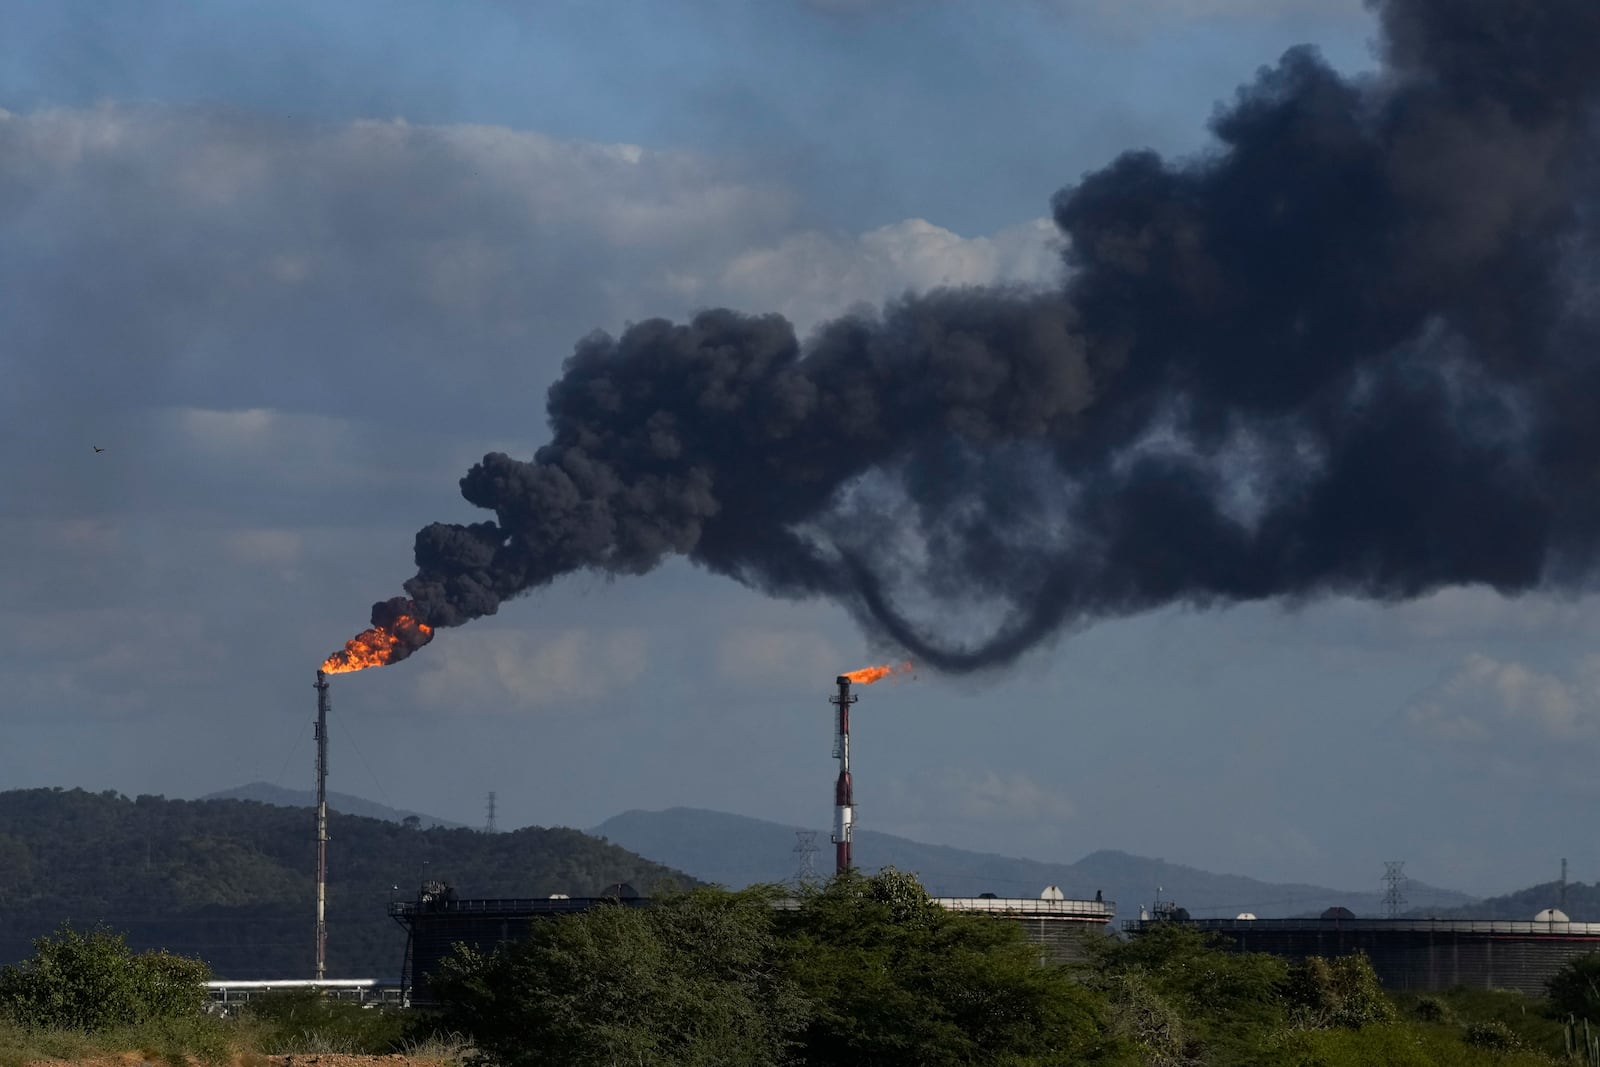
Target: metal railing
1097	910
1429	926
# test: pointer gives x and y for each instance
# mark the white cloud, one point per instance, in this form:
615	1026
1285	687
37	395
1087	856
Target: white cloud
385	268
1124	13
1509	704
271	448
775	657
811	276
504	670
1204	8
1476	611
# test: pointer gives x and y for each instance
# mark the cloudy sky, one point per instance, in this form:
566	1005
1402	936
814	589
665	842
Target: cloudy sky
297	266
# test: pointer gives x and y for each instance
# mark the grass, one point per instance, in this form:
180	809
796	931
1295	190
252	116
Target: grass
448	1048
246	1040
1526	1018
171	1041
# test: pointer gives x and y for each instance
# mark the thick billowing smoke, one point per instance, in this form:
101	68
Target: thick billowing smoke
1351	349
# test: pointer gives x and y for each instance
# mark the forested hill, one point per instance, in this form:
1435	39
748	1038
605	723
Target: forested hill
341	802
1582	904
231	881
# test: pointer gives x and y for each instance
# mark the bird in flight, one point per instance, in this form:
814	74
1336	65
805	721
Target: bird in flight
97	448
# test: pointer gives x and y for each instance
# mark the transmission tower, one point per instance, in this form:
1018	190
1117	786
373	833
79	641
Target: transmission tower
806	847
1394	892
488	823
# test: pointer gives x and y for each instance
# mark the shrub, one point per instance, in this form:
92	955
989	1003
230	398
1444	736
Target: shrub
1431	1010
89	982
303	1020
1575	988
1491	1034
1342	992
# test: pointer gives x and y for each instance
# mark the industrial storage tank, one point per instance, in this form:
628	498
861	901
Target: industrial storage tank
437	921
1419	954
1053	922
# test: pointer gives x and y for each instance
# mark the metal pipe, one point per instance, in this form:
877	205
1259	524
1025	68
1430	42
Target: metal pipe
322	824
844	803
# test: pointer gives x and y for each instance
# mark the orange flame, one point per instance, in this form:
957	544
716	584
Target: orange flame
379	646
868	675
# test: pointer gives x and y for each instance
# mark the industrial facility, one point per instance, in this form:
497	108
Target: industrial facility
438	920
1407	954
1056	924
1416	955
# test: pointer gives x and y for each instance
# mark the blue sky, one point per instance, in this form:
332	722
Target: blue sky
855	104
299	265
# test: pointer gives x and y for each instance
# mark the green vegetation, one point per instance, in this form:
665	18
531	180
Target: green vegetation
863	970
230	882
893	979
302	1020
695	980
83	994
867	971
84	991
93	981
1575	989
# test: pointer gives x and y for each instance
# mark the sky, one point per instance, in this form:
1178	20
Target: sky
296	266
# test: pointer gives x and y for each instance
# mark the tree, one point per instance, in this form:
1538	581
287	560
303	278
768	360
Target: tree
1184	996
1575	988
894	979
1339	992
92	981
692	980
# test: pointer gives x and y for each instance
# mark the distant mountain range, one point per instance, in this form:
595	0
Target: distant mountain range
736	851
267	793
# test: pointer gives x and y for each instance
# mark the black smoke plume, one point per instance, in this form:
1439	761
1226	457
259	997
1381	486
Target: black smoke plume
1351	348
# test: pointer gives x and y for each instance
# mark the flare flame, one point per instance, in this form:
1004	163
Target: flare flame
380	646
868	675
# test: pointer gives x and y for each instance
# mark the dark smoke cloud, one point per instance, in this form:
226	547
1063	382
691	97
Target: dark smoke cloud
1350	349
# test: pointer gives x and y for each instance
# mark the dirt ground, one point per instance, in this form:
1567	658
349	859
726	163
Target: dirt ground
133	1059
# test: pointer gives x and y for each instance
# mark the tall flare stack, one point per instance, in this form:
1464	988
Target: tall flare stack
322	824
844	803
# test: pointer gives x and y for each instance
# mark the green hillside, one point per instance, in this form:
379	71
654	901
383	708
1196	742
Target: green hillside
1582	904
231	881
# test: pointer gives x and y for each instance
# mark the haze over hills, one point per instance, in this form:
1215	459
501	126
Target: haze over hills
735	851
267	793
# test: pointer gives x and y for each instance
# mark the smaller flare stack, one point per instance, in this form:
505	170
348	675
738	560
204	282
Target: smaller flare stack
844	800
322	826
